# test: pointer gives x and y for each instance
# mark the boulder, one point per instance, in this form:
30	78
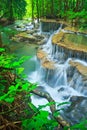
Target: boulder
76	112
42	56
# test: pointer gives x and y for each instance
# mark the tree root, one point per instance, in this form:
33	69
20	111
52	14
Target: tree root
5	124
60	119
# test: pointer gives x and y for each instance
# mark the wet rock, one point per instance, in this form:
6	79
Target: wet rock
30	37
41	42
25	37
30	32
57	37
61	89
70	72
77	83
48	64
77	110
41	55
69	46
66	97
80	67
38	36
76	30
49	25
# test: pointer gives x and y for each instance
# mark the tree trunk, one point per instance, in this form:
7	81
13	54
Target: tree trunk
42	8
37	5
11	18
0	40
32	11
52	8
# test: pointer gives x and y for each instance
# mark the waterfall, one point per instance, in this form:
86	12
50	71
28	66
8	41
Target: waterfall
64	53
62	82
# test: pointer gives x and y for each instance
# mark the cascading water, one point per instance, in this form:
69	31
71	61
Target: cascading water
62	82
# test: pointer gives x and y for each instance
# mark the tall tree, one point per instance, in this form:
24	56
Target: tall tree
37	6
32	10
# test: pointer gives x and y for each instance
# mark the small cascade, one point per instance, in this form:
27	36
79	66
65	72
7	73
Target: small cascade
60	52
49	26
48	47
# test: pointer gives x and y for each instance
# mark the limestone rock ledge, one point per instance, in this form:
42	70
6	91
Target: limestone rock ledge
75	30
61	40
46	63
82	69
41	55
29	38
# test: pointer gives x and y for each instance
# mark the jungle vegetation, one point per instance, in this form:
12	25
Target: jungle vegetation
16	110
56	9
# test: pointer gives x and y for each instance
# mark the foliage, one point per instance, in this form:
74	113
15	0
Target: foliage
9	92
40	121
8	63
12	9
66	9
80	126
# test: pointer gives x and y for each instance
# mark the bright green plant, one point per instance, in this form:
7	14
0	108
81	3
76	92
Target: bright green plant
80	126
40	121
8	63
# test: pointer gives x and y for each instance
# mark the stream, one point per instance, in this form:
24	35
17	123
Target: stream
64	83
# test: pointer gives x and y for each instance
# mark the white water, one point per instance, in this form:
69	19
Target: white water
55	82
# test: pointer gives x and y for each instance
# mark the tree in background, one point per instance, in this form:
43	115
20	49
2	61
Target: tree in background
12	9
68	10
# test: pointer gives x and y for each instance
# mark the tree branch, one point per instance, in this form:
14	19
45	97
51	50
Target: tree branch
60	119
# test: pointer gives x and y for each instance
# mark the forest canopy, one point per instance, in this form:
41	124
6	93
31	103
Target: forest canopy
65	9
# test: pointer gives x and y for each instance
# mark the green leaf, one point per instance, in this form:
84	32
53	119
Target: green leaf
48	104
24	58
12	88
63	103
15	64
32	107
81	126
9	99
20	70
2	49
32	87
56	113
25	86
